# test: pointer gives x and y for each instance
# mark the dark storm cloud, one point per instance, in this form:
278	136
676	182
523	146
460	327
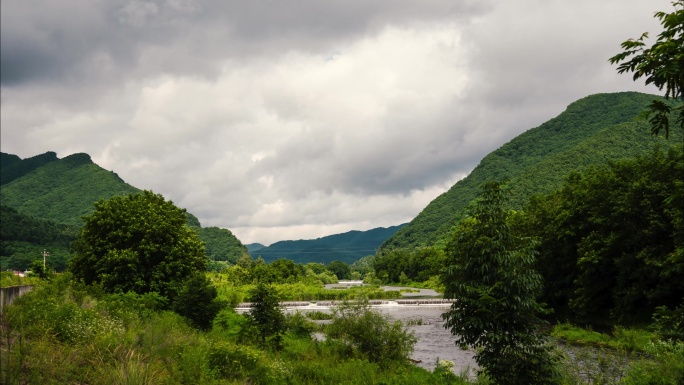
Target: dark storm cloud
66	41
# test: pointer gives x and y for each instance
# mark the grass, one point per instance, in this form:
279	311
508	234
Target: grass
633	340
64	333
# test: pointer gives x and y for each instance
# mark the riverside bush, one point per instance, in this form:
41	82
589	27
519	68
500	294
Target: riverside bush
663	365
373	334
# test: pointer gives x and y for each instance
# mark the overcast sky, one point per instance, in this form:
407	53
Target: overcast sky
303	118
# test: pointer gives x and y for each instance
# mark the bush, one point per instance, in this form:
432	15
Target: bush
234	361
664	367
197	301
373	334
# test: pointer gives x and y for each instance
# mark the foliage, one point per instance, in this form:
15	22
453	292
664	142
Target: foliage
626	339
373	334
7	278
612	239
221	244
197	301
63	190
340	269
137	243
418	264
265	314
592	130
12	167
38	268
669	324
23	238
364	265
662	65
662	365
491	274
22	227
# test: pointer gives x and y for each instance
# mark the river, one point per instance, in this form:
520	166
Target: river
426	323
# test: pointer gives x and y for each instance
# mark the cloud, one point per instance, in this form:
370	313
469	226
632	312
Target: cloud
299	120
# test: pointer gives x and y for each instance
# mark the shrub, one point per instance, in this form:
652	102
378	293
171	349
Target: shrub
197	301
373	334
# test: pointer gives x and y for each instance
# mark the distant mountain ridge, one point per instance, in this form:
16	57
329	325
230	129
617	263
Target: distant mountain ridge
346	247
591	131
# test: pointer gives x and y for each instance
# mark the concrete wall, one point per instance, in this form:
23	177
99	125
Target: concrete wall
10	293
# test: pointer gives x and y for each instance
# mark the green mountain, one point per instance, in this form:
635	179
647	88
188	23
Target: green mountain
43	199
14	167
60	190
346	247
252	247
592	130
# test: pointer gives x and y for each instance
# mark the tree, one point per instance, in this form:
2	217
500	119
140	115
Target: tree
490	273
340	269
265	314
197	301
662	65
612	239
138	243
36	267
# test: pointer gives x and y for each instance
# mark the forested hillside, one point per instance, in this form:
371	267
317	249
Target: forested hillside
61	190
592	130
346	247
44	197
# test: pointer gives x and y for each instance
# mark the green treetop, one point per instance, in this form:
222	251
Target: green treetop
138	243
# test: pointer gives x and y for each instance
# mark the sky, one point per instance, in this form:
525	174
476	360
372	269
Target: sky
304	118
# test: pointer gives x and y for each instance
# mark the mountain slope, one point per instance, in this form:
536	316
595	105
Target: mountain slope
592	130
346	247
13	167
59	192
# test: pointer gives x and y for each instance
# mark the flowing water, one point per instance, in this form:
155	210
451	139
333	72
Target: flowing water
433	340
425	321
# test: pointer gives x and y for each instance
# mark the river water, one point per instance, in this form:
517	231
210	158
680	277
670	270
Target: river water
434	342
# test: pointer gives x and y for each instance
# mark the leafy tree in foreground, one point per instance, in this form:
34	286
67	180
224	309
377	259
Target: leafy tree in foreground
662	65
197	301
265	314
138	243
490	273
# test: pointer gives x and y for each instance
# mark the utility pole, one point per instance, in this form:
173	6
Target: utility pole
45	254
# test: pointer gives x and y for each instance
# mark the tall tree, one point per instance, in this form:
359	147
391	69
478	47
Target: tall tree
490	273
265	314
662	65
138	243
